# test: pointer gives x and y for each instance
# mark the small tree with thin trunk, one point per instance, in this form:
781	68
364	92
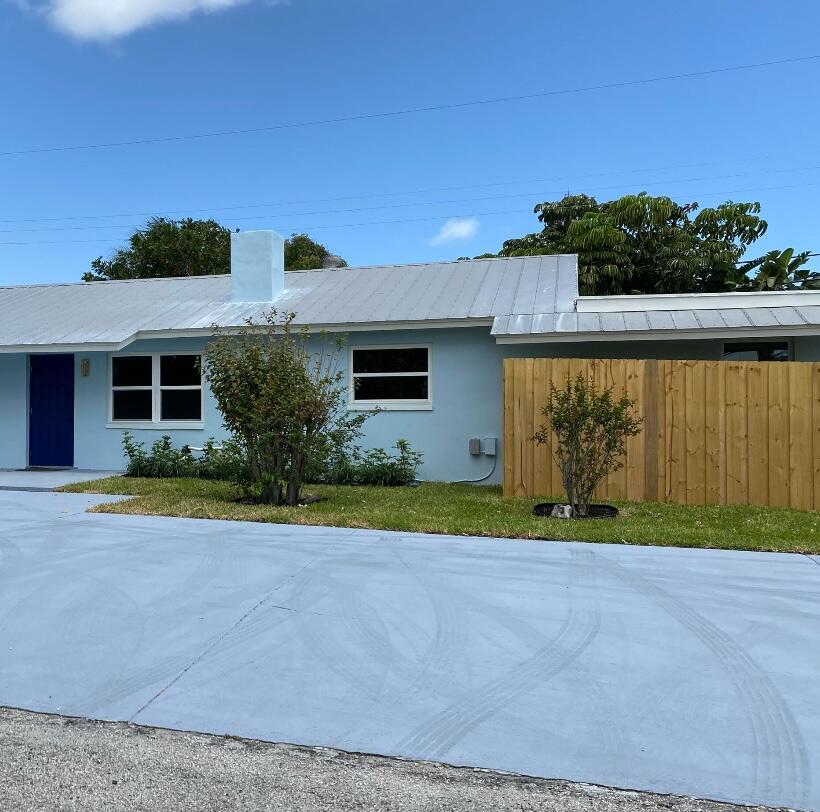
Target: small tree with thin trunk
590	430
283	403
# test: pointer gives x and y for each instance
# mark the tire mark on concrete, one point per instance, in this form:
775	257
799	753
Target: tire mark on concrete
781	763
448	637
435	737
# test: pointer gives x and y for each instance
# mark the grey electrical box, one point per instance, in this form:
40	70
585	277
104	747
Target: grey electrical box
475	446
489	446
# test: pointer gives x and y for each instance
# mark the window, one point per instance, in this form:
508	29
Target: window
756	351
156	389
132	390
390	377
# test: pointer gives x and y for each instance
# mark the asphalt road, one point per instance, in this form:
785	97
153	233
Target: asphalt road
52	763
689	672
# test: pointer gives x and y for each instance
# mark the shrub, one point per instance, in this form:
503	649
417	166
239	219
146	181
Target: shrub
222	462
164	461
373	467
284	405
591	428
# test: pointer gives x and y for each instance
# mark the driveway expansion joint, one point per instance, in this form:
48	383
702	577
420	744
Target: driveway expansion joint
219	638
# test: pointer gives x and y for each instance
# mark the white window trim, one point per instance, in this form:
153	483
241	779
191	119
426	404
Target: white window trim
405	405
156	400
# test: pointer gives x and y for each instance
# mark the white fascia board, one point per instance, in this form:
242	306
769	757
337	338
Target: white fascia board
660	335
35	349
207	332
320	328
697	301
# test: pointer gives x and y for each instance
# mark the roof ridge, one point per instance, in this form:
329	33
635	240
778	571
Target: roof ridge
305	270
83	283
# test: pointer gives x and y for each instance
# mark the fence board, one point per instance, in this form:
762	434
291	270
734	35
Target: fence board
635	463
713	432
737	449
713	443
757	386
816	433
778	459
800	436
695	442
653	483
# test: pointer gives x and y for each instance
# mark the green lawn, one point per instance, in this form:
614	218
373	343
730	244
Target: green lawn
475	511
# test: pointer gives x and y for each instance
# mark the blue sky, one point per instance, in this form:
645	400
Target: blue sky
81	72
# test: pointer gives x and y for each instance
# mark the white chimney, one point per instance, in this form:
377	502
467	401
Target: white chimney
257	266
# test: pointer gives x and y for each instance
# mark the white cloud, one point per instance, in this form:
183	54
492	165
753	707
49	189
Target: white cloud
456	229
110	19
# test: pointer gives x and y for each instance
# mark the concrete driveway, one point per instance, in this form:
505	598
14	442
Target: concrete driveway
679	671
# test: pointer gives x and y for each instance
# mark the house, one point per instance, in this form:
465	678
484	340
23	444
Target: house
81	363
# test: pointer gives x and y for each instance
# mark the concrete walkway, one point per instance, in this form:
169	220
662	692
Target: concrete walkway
678	671
47	479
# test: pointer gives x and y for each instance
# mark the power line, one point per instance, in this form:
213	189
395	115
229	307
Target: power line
412	110
317	227
393	205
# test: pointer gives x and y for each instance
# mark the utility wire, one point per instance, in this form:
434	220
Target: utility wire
413	110
317	227
408	204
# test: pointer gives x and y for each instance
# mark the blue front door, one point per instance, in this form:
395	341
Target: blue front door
51	410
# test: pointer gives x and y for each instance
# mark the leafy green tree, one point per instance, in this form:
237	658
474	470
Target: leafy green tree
778	270
193	248
590	429
645	244
168	248
283	404
304	254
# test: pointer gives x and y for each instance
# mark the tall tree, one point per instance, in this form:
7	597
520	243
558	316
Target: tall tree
304	254
645	244
193	248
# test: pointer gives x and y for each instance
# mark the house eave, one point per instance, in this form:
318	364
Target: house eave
695	301
658	335
207	332
355	327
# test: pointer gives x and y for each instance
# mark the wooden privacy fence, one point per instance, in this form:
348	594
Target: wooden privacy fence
714	432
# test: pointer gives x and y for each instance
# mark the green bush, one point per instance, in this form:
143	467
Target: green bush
165	461
590	428
282	402
373	467
340	466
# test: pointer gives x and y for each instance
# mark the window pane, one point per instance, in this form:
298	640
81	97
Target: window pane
132	371
756	351
181	404
132	404
391	388
179	370
391	360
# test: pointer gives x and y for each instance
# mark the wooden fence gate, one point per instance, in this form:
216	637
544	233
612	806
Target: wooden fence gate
714	432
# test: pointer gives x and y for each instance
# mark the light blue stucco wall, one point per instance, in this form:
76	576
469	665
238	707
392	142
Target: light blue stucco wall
13	411
466	395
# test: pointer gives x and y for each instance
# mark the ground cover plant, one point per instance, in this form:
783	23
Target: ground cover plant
476	511
162	460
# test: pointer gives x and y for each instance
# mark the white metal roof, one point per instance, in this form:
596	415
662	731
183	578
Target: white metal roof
695	323
523	299
689	315
109	315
